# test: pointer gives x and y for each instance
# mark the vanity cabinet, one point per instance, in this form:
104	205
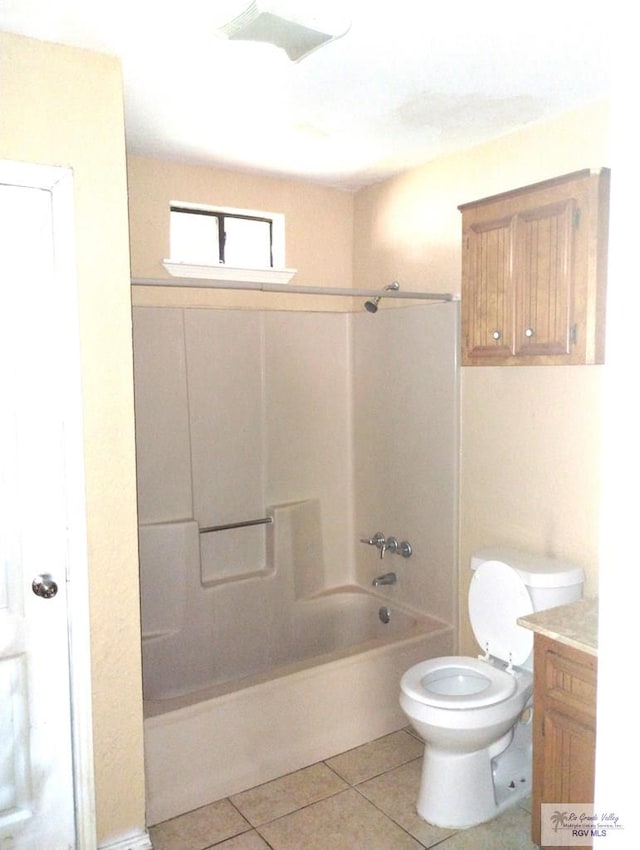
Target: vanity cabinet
534	272
564	727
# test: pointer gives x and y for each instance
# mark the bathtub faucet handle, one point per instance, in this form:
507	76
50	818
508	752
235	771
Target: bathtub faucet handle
378	540
391	545
384	544
388	544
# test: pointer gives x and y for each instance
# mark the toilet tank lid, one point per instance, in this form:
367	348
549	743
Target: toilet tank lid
534	570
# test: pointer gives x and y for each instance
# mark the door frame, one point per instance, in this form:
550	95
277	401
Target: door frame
59	182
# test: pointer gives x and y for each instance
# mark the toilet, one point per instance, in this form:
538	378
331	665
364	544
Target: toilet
474	714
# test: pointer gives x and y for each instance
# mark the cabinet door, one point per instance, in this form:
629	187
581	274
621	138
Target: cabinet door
543	269
534	273
568	747
567	765
487	308
564	727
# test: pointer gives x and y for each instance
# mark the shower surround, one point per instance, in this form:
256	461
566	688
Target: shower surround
345	424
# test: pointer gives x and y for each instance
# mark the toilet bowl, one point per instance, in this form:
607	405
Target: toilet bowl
466	710
474	714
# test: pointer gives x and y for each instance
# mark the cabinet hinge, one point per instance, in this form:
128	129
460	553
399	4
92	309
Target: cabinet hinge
576	219
573	334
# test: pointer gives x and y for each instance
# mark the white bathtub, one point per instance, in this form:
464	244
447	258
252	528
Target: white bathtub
334	686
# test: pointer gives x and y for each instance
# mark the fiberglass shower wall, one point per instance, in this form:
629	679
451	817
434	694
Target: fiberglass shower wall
405	426
237	411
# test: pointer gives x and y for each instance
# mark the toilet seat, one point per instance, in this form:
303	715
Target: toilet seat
497	598
457	682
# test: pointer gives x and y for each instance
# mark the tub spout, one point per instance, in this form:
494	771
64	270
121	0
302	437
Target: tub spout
387	578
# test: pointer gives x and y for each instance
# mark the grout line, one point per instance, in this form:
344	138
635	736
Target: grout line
330	796
231	837
386	814
220	843
335	773
441	841
305	806
243	816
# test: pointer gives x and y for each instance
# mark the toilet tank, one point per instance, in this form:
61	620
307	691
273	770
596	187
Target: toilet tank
550	582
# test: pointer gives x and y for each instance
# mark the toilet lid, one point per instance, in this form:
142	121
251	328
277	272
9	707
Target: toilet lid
497	597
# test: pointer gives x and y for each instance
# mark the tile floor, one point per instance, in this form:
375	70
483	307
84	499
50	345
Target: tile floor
363	799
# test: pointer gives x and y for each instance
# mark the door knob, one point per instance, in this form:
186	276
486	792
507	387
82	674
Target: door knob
44	586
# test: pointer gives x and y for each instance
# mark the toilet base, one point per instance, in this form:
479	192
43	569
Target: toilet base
458	791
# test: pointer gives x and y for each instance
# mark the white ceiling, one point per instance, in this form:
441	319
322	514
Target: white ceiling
411	80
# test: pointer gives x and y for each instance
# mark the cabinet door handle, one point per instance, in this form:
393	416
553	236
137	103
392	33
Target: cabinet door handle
497	335
529	332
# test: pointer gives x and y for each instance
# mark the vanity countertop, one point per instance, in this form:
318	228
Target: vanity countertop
574	624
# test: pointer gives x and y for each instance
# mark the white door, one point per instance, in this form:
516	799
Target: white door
36	505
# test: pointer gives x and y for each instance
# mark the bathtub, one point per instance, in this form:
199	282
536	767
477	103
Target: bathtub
331	686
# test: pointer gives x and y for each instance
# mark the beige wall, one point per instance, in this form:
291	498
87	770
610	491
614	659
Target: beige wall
61	106
530	437
318	230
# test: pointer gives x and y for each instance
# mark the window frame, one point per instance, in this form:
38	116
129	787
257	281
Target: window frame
274	220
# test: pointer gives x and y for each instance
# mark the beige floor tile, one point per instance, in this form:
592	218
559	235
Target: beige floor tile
526	804
509	831
200	828
374	758
288	793
246	841
396	794
344	822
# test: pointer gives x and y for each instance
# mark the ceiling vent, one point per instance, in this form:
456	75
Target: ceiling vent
297	31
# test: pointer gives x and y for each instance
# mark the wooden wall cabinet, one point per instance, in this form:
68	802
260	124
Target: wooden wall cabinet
534	273
564	727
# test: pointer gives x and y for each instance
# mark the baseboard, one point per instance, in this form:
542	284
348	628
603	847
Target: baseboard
136	842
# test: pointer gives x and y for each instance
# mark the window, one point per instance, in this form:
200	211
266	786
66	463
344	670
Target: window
236	238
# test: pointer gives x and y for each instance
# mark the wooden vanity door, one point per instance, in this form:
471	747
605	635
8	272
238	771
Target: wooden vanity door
564	727
569	745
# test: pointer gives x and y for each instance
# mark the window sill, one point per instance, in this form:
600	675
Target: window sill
225	274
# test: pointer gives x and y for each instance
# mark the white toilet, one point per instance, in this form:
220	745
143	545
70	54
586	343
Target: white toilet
474	714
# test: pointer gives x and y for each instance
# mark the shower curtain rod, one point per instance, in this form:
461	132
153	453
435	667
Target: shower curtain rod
294	289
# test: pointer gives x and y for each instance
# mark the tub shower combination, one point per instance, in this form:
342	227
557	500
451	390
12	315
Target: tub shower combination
225	708
268	433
